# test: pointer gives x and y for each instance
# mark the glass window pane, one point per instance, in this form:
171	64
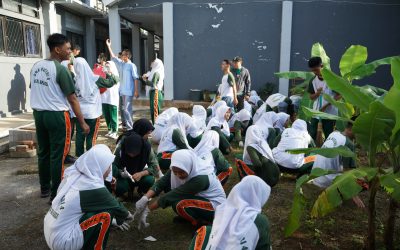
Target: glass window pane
15	38
11	5
1	36
32	40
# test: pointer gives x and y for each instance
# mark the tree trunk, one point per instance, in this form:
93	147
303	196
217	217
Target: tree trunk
390	225
370	244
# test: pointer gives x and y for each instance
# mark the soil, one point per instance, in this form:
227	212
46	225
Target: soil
22	213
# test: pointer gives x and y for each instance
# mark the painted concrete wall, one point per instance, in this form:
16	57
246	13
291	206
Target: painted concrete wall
339	25
206	34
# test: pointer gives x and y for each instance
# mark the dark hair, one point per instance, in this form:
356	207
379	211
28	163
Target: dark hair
56	40
226	61
314	62
127	51
237	59
350	124
102	57
76	47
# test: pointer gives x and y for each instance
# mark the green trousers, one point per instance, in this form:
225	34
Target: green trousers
195	209
95	228
110	113
269	171
156	104
200	238
124	185
327	127
304	169
53	132
89	139
193	141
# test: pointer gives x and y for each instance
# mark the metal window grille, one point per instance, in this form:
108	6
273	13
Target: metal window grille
32	39
1	35
14	38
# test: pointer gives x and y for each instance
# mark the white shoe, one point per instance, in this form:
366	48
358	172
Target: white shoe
113	136
108	134
241	144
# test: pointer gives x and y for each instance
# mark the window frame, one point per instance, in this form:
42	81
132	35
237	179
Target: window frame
39	55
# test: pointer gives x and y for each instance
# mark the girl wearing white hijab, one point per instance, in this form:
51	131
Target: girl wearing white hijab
266	124
110	100
212	110
191	189
83	210
239	123
87	86
282	122
173	138
196	130
294	138
155	79
258	158
208	150
239	223
220	124
161	123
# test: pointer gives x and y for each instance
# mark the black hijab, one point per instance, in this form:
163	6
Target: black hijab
142	126
134	144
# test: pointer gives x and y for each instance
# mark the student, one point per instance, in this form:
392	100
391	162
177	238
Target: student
220	124
258	158
173	138
155	79
129	83
52	95
275	102
255	99
87	90
110	102
294	138
282	122
161	123
266	124
239	123
227	88
243	82
212	110
83	210
190	188
196	130
248	107
238	223
208	150
316	88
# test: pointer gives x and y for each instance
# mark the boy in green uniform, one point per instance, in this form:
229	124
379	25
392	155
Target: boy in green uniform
52	89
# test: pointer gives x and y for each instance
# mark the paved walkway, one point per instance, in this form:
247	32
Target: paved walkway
14	121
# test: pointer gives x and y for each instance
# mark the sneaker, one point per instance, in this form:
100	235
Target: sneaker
113	135
45	192
69	159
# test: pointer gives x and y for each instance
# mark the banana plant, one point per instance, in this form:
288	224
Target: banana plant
377	129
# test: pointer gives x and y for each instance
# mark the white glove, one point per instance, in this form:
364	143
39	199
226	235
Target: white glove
129	218
123	227
125	174
142	223
141	204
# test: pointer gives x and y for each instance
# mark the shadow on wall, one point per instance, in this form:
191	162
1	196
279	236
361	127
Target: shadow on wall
16	97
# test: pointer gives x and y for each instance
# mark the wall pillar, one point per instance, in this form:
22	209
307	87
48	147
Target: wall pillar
286	40
168	39
90	41
114	27
136	47
50	23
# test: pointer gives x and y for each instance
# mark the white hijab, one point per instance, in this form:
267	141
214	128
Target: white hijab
219	120
113	68
187	161
266	121
234	219
163	118
216	106
281	120
242	115
182	121
157	66
87	172
199	115
275	99
254	98
254	138
208	143
85	81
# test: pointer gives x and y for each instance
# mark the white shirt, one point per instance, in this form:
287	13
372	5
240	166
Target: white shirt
111	95
225	89
320	101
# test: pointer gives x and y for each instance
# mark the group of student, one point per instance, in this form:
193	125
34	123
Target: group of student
188	169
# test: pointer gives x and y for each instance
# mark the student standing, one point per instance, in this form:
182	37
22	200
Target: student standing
155	79
243	82
87	87
83	210
52	95
110	101
316	88
227	88
239	222
129	85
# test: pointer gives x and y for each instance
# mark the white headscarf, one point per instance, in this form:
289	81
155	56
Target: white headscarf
274	99
254	138
199	115
234	219
242	115
281	120
87	172
157	66
85	81
182	121
220	121
216	106
187	161
300	125
208	143
113	68
254	98
266	121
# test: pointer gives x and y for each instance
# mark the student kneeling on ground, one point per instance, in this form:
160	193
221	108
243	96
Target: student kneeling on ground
190	188
198	126
161	124
239	123
220	124
294	138
83	210
208	150
238	223
257	158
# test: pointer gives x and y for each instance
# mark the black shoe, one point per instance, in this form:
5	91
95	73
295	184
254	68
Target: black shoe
45	192
69	159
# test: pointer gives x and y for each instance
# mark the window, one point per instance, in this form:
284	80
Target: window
19	38
26	7
76	39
